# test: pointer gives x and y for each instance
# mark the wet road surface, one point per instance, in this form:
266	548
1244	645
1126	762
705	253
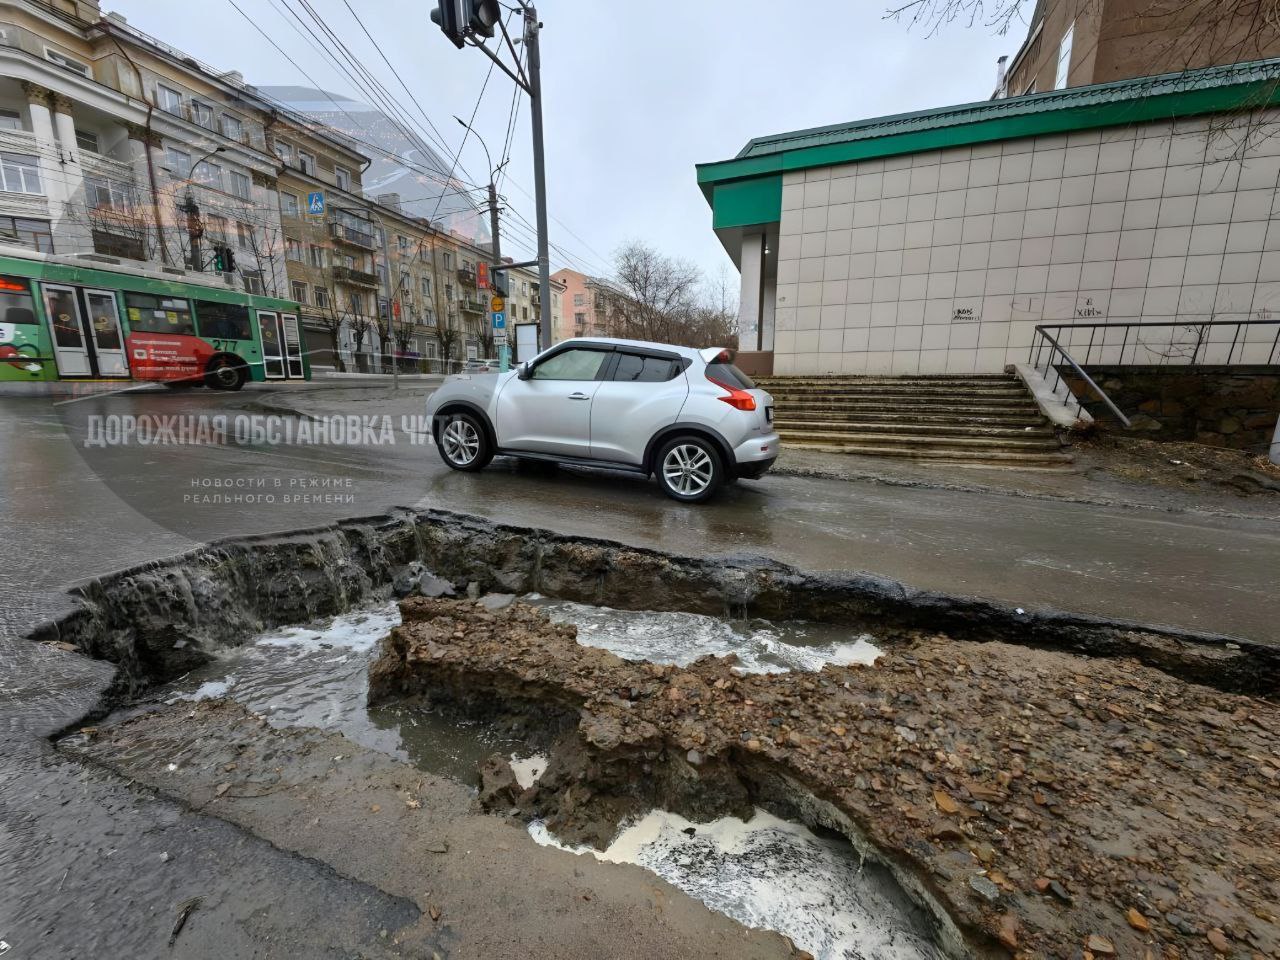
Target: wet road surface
78	848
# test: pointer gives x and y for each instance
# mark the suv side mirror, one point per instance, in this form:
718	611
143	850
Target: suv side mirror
524	371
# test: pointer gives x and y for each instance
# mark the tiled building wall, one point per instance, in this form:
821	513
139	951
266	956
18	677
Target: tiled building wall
944	262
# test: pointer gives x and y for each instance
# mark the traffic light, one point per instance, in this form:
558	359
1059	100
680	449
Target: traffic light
498	281
448	17
224	260
458	18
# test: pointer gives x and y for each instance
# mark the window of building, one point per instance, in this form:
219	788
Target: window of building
202	114
29	233
104	194
208	173
232	127
524	288
381	270
426	286
300	291
384	308
316	255
88	142
170	101
402	242
223	321
580	318
148	313
349	262
342	177
62	60
178	162
20	173
322	296
242	235
307	163
241	185
10	120
217	226
293	249
579	300
289	204
446	260
1064	58
448	292
284	151
357	304
252	281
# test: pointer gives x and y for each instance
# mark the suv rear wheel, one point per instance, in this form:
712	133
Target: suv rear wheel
463	443
689	469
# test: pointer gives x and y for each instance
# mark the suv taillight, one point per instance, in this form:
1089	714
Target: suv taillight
739	399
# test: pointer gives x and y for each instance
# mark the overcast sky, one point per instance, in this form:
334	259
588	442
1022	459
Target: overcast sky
632	98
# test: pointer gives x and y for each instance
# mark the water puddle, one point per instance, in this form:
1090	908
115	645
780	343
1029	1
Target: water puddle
778	875
681	638
766	872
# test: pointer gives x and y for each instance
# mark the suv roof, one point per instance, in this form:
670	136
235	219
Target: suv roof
693	353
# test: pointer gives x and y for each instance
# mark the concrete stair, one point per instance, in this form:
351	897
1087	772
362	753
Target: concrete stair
964	420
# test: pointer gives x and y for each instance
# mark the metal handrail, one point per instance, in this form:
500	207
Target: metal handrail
1084	376
1042	336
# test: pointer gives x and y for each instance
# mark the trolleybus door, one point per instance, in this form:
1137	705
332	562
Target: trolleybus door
108	338
292	346
70	351
272	349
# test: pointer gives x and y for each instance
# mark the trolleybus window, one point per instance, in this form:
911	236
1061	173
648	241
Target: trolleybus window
223	321
152	314
16	305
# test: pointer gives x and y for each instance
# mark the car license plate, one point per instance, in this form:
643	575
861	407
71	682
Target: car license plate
768	414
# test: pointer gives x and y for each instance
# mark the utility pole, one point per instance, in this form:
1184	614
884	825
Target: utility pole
531	30
194	230
504	351
473	21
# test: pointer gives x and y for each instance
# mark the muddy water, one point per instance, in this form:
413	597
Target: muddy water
765	873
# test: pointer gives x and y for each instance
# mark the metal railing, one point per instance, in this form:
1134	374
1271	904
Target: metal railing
1137	343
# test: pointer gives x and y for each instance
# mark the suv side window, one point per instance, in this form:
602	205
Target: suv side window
633	368
575	364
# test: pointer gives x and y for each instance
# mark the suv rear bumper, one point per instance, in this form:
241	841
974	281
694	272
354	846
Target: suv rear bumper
755	456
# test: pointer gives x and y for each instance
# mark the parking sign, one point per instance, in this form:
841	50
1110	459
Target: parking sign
315	203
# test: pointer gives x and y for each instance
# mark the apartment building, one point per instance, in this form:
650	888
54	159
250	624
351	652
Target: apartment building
586	306
114	144
1073	43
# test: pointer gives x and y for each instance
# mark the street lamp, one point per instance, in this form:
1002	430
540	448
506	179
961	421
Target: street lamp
503	351
194	230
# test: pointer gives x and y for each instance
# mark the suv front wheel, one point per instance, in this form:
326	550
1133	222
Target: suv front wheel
463	443
689	469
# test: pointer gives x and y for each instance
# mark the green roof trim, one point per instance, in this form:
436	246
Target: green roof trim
1193	92
745	203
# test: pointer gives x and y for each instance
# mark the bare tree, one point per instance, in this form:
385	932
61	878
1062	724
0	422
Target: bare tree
265	245
331	317
652	295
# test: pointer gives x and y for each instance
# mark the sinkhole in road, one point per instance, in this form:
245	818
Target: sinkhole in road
765	872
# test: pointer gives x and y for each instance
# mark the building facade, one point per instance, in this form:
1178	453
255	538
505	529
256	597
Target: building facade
586	310
936	242
113	144
1074	43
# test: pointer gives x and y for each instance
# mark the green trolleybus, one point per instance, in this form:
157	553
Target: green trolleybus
80	320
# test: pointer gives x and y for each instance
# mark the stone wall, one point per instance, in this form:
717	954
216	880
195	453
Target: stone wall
1232	407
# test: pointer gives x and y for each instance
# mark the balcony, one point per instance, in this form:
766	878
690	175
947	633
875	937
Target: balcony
353	277
467	275
350	235
472	305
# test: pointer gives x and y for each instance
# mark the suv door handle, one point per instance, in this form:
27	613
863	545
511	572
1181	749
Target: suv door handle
578	396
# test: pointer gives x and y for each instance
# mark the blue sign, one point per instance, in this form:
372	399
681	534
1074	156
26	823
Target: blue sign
499	321
315	203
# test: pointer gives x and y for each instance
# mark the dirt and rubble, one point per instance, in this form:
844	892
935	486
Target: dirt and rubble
1041	802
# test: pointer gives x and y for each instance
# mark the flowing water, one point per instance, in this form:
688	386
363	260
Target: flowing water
766	872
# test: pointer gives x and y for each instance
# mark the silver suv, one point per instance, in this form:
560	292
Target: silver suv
687	416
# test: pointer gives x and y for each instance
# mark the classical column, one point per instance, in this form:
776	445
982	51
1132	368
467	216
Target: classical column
751	266
46	150
76	229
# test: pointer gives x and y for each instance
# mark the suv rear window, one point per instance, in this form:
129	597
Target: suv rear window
633	368
729	375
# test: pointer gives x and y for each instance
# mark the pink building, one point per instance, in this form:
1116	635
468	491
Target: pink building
584	313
